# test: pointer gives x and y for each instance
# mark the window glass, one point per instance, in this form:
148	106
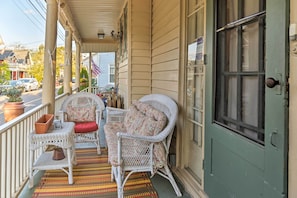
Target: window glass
250	49
251	7
193	5
232	11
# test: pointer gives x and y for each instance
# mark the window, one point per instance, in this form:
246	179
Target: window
240	67
111	73
195	69
123	30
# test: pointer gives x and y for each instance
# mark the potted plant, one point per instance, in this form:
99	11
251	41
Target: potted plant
14	105
83	82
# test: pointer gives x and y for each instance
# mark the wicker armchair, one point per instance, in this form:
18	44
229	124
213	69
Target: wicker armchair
133	152
85	110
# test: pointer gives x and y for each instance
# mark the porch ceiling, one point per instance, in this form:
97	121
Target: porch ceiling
87	18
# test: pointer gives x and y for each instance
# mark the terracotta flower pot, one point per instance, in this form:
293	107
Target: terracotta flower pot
44	123
12	110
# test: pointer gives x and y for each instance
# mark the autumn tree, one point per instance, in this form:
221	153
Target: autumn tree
37	67
38	63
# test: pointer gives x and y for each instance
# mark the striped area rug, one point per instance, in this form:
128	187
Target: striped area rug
91	178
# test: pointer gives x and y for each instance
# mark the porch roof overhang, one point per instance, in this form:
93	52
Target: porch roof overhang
87	18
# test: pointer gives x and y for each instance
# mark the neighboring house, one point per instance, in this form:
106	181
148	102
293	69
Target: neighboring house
19	61
106	64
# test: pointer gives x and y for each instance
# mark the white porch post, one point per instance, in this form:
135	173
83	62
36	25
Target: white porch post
77	68
90	71
49	74
68	62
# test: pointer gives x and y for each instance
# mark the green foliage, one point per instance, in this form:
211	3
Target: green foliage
84	73
61	90
14	94
83	80
4	72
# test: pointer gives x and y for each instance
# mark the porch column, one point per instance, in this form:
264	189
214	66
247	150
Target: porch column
49	73
77	68
68	62
90	71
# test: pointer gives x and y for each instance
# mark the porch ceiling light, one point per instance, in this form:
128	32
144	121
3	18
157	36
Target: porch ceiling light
101	35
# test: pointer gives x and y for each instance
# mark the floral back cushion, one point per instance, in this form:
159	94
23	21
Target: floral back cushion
81	114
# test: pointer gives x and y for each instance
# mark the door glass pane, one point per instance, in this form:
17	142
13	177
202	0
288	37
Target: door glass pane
232	11
231	99
232	50
192	28
250	49
251	7
199	86
193	5
250	101
200	23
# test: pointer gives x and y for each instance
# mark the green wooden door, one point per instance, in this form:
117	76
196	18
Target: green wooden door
246	99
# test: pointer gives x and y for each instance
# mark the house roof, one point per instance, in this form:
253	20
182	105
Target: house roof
5	54
21	56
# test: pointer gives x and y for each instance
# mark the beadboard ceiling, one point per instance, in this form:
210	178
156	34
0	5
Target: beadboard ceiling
87	18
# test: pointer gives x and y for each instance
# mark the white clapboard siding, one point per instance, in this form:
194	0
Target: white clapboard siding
140	48
165	47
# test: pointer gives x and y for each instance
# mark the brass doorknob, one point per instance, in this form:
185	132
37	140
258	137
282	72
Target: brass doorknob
271	82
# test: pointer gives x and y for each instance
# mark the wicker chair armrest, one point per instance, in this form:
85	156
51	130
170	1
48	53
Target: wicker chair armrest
115	114
152	139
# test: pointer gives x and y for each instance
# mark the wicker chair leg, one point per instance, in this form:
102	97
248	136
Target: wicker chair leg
97	142
98	150
172	181
113	172
119	180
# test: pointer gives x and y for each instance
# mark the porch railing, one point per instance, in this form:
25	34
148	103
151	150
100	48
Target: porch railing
94	90
14	150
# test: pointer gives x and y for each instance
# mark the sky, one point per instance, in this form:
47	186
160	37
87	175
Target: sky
22	23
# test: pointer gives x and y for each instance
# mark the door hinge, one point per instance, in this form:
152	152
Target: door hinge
287	94
287	84
203	165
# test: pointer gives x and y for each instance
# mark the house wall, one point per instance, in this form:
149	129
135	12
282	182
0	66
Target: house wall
135	71
140	48
165	47
292	181
152	64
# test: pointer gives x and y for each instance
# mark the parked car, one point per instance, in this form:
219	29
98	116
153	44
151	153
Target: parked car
30	83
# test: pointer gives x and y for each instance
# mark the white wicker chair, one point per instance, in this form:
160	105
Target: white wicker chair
85	130
126	146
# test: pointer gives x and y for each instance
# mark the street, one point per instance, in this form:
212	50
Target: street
31	100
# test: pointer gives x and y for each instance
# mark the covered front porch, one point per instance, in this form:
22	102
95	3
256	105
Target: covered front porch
15	157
